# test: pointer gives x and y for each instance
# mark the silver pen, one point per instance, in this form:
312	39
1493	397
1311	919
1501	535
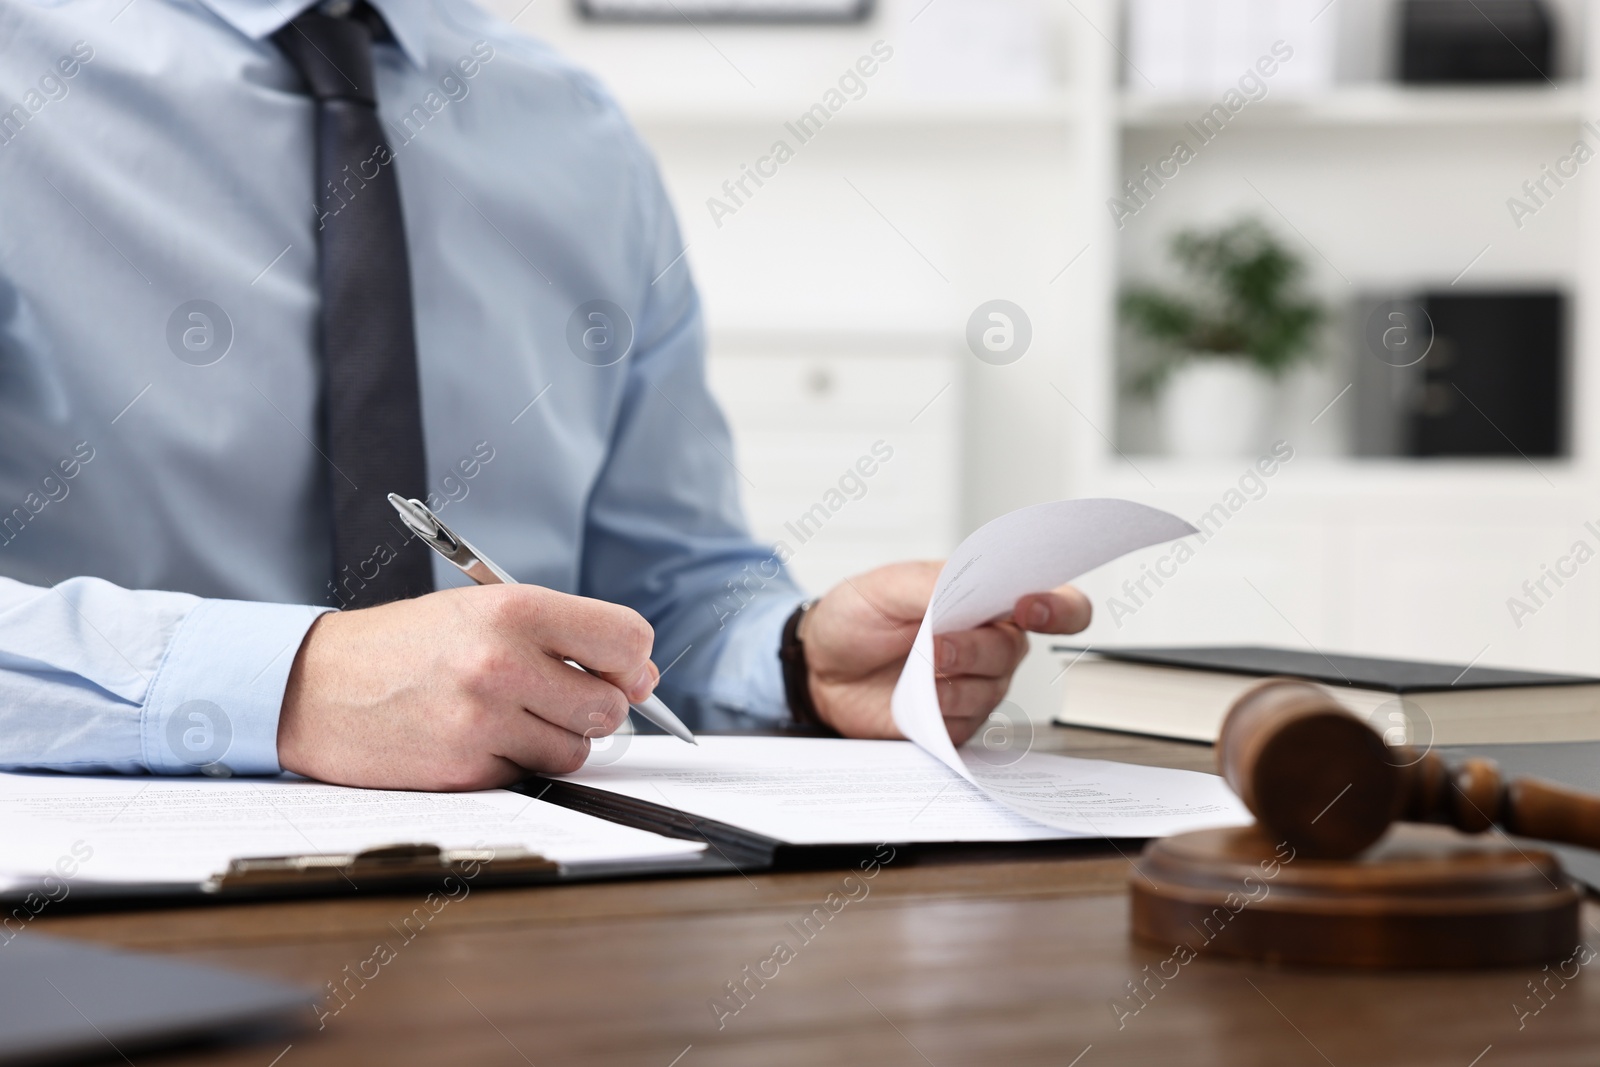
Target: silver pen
421	520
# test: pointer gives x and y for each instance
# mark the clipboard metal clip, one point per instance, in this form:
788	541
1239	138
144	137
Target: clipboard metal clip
389	866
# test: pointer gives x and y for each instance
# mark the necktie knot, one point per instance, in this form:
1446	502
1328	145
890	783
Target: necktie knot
333	53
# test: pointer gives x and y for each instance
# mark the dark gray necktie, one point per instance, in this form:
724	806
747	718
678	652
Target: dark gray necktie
372	413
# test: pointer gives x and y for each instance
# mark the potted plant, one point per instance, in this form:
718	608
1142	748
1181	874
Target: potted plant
1217	350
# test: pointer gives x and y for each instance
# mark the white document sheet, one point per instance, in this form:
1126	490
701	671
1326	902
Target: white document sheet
812	790
184	830
825	791
1029	551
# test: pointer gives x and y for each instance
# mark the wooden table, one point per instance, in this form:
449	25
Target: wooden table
1008	961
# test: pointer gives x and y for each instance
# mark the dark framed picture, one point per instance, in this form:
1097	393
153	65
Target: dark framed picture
725	10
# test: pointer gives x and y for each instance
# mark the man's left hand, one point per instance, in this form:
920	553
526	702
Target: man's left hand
858	636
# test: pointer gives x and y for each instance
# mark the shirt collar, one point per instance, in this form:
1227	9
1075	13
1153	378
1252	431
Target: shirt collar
260	19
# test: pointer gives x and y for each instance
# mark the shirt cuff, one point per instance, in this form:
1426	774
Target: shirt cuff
214	703
748	675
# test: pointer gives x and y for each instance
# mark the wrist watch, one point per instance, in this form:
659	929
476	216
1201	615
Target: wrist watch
796	673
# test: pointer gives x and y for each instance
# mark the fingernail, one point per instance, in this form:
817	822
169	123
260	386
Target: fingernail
945	654
1038	614
640	680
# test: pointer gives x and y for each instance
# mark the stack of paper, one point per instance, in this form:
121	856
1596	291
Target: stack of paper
182	831
825	791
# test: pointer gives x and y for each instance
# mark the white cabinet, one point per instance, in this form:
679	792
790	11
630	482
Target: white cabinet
1377	187
851	456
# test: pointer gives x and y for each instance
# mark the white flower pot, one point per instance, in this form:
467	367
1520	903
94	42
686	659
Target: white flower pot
1216	407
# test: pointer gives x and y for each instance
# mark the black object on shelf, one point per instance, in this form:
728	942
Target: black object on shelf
1494	382
1444	41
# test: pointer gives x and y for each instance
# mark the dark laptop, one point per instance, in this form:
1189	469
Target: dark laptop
66	1001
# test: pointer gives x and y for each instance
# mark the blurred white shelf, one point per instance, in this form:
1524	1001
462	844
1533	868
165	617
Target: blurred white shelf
1378	106
812	338
1350	479
1054	110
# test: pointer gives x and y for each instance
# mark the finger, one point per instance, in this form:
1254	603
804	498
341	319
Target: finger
1062	611
994	651
966	702
636	686
898	591
607	638
534	744
963	730
571	700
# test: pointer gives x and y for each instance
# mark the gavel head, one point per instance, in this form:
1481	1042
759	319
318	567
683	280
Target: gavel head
1311	772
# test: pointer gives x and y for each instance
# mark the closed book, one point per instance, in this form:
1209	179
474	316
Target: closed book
1185	692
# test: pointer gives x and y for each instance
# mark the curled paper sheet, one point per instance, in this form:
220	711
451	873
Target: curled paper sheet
1029	551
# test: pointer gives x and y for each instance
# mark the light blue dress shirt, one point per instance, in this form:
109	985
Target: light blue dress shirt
164	529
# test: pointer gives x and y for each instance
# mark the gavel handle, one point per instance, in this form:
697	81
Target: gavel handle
1475	796
1551	813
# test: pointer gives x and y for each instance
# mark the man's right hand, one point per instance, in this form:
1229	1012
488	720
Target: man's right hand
461	689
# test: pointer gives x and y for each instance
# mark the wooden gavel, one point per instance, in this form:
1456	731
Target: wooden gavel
1315	775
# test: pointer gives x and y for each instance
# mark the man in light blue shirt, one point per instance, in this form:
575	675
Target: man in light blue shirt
167	596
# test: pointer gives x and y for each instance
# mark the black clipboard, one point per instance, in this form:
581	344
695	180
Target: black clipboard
750	852
386	871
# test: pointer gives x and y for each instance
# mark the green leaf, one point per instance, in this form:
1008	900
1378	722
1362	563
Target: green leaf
1244	298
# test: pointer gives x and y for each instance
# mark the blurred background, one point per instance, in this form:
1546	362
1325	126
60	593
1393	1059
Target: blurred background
1019	250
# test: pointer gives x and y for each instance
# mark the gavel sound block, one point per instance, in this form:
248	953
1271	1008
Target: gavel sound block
1312	883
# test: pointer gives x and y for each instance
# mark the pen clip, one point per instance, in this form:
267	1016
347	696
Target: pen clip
420	520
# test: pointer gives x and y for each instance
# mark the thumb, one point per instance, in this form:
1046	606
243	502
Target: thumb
1062	611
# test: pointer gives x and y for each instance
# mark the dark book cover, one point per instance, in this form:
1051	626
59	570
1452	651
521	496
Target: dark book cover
1358	672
